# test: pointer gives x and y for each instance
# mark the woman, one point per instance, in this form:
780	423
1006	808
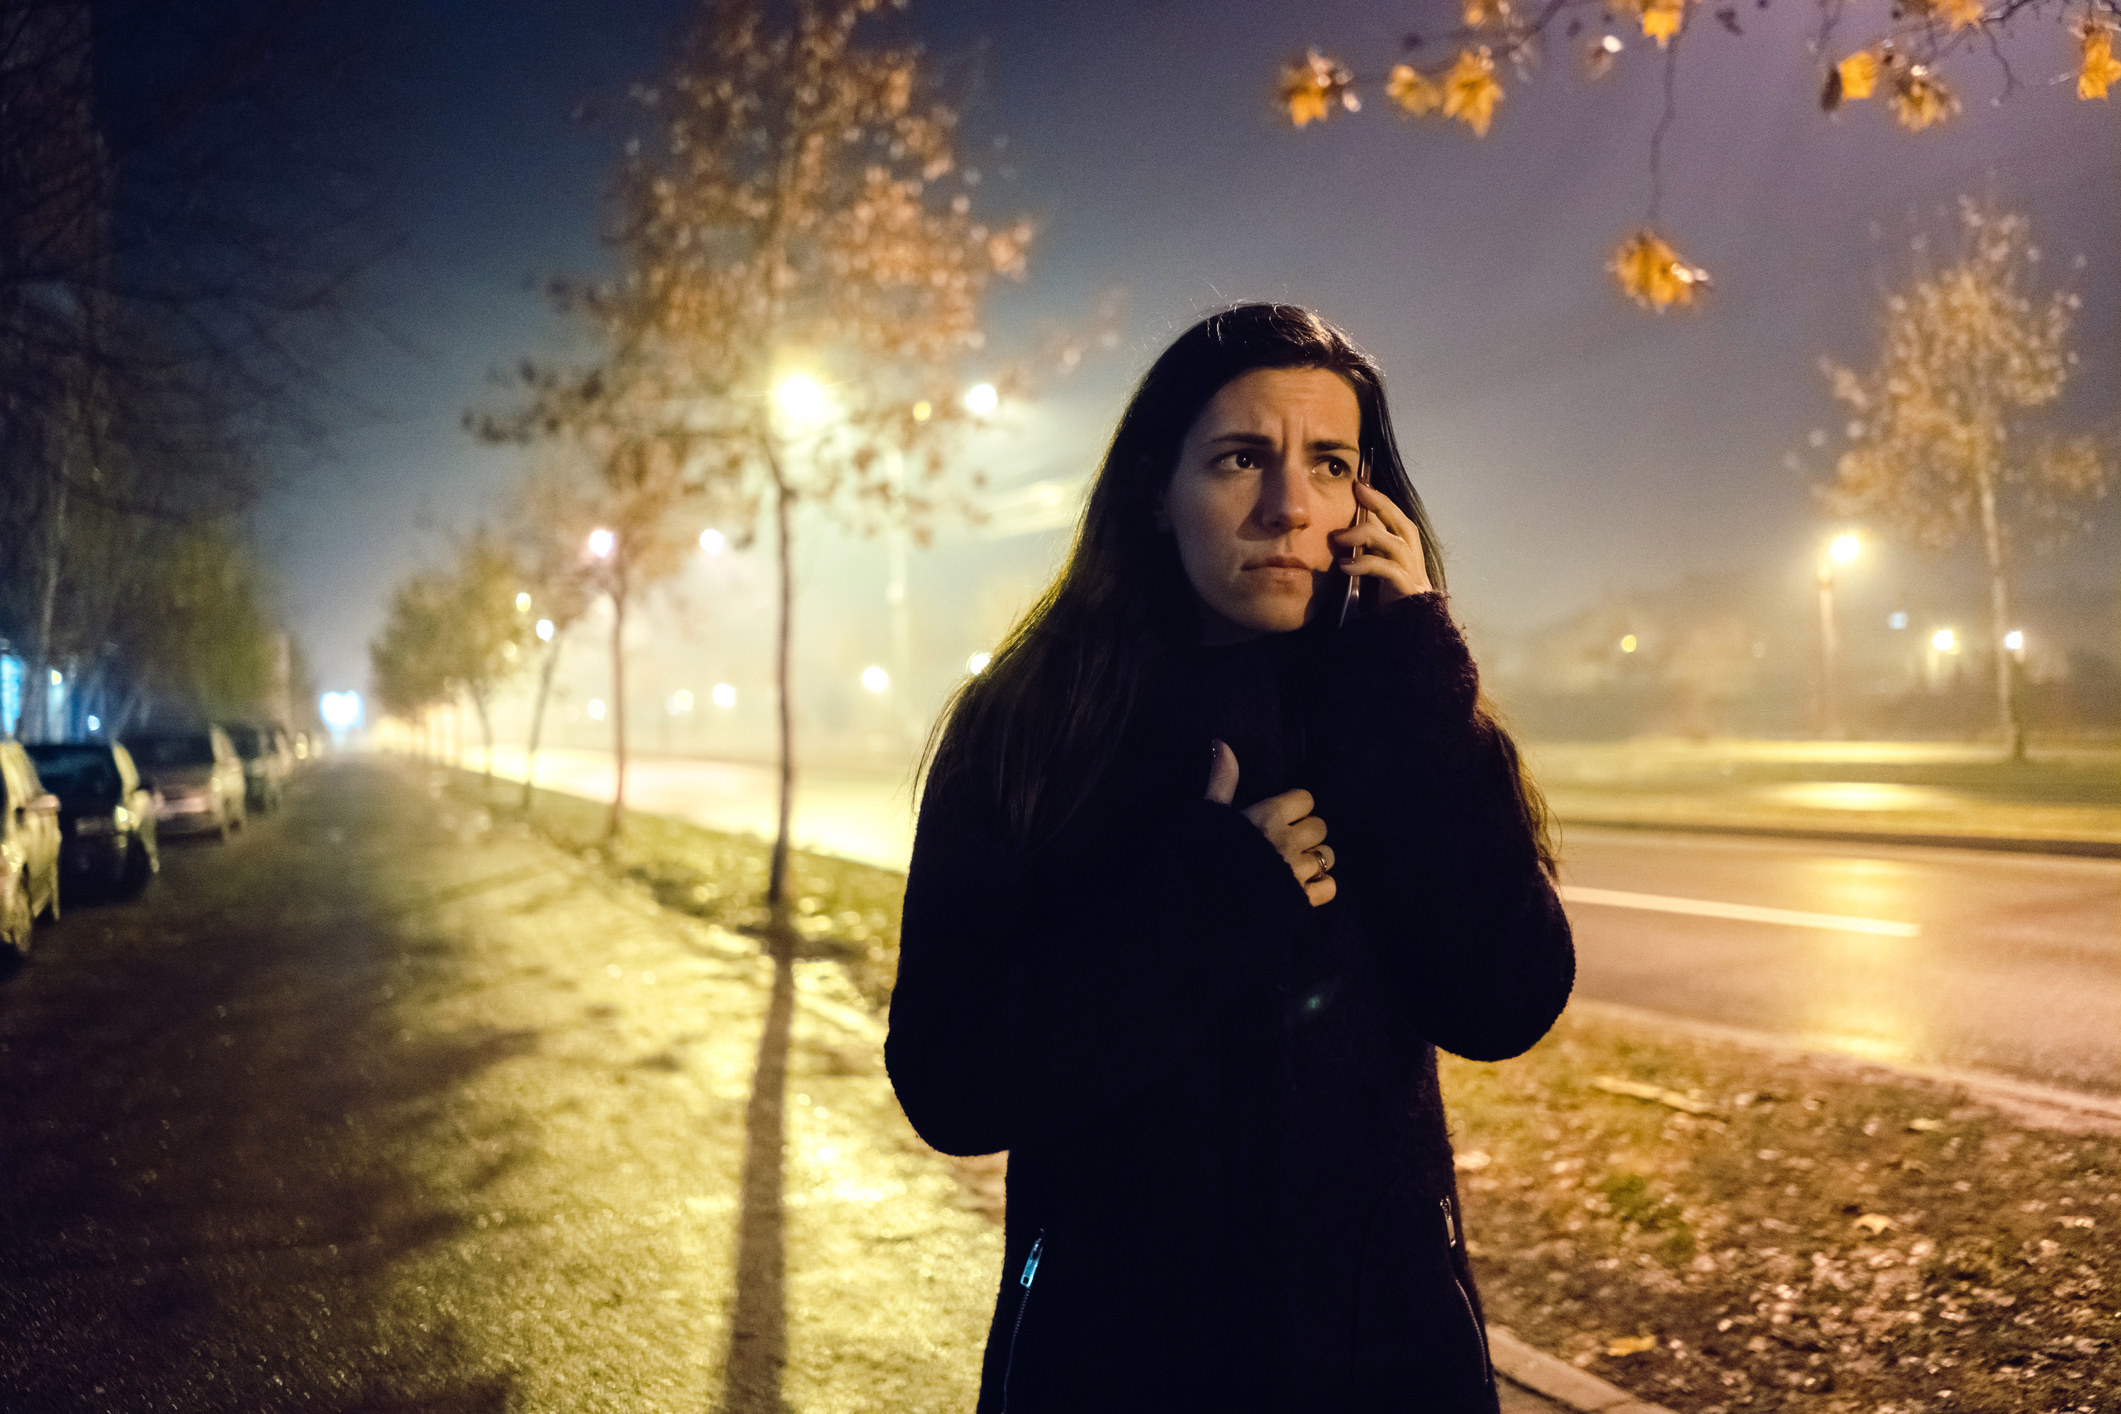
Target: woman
1203	875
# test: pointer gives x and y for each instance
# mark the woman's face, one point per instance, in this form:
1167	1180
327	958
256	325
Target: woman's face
1265	474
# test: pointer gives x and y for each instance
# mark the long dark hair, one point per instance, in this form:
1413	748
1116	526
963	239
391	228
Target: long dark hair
1039	726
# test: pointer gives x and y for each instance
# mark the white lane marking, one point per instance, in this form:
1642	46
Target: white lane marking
1743	912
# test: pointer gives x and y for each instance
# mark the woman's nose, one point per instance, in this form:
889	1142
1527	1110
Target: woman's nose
1285	497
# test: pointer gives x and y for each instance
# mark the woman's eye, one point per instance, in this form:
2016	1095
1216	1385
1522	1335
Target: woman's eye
1334	466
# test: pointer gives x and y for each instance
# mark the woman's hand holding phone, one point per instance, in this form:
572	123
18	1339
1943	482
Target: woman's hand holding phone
1287	822
1384	543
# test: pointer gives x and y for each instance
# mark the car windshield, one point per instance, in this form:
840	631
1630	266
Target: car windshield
77	773
172	750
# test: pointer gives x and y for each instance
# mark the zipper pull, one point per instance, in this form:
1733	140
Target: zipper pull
1031	1262
1450	1225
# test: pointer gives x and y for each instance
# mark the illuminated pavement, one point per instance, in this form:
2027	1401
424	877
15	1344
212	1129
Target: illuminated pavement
1952	959
383	1107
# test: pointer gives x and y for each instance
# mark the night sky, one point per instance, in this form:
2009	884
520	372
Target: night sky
1567	443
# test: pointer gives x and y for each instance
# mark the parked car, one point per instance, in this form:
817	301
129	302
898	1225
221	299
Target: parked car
198	776
106	817
29	848
268	761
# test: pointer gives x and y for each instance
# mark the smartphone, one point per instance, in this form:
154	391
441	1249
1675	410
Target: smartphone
1354	592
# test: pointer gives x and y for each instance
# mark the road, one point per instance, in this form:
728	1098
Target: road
1949	959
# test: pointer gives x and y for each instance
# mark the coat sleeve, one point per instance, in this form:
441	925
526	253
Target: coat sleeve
1015	1019
1437	852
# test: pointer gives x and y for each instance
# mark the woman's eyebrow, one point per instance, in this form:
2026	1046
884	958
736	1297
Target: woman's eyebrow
1260	439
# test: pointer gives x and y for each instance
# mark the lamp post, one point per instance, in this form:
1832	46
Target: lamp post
1841	550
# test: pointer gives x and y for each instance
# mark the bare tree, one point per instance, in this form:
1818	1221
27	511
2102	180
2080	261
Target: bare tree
1942	443
549	525
803	281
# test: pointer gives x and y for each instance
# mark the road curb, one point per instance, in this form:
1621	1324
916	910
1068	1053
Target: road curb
1997	844
1558	1380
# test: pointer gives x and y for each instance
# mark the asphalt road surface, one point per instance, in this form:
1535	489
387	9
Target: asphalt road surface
1944	958
1949	959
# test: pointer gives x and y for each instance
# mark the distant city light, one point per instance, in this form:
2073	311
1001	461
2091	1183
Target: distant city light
95	723
596	709
508	651
981	399
724	695
1945	641
713	541
802	402
1845	549
1628	643
978	662
57	677
545	630
1896	619
341	711
602	542
680	702
522	602
875	678
2015	640
923	410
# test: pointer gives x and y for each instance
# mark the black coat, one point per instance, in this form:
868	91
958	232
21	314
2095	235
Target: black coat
1230	1185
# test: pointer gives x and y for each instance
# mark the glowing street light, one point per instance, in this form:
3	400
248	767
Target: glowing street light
2015	640
1945	641
680	702
724	695
876	679
1843	549
713	541
981	399
545	630
522	602
923	410
1629	643
977	663
802	402
602	542
596	709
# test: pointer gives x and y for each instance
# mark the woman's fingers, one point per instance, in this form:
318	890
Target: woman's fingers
1222	773
1388	547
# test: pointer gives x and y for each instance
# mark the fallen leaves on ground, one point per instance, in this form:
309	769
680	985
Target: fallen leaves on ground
1811	1251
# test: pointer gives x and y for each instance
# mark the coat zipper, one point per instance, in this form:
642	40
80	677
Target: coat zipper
1030	1270
1450	1238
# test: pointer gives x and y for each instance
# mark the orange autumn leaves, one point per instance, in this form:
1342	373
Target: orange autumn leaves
1312	88
1653	275
1920	99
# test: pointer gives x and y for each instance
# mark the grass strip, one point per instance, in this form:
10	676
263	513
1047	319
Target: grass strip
1719	1229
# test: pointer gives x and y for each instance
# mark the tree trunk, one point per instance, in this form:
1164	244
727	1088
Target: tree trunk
1999	609
537	718
37	696
478	703
618	699
777	877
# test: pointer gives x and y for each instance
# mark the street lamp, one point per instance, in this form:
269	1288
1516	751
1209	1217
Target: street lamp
981	399
522	602
545	630
601	543
713	541
1841	550
977	663
876	679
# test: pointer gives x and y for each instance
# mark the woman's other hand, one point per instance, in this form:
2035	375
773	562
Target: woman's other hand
1287	822
1387	545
